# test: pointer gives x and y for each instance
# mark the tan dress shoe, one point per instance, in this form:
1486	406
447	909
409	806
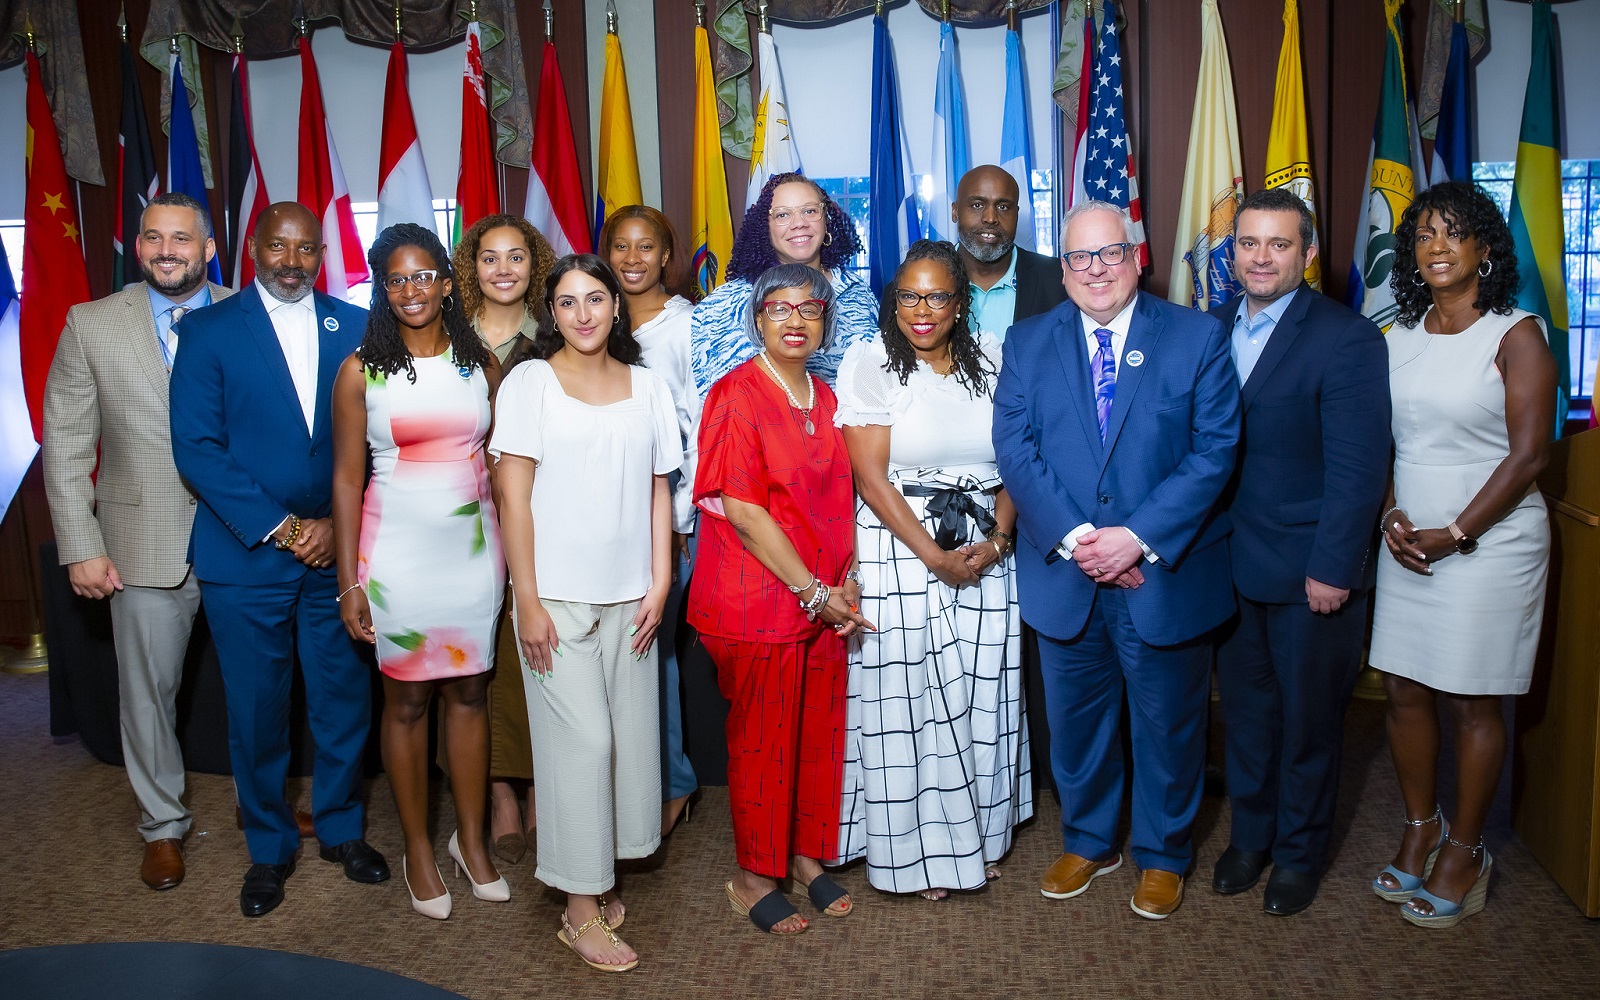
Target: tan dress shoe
302	821
162	867
1071	875
1158	894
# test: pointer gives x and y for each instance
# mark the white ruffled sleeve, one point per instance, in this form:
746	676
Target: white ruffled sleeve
519	412
868	392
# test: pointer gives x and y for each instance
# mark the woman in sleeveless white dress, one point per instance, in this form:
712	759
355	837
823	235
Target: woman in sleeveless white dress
1460	594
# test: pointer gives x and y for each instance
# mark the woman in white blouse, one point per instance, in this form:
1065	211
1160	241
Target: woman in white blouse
936	770
585	441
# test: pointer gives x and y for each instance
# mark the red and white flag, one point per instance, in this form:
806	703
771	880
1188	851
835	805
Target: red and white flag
556	203
322	188
247	193
404	194
478	183
1080	134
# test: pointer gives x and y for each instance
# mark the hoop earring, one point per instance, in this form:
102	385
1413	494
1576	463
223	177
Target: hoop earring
827	239
1485	268
1416	279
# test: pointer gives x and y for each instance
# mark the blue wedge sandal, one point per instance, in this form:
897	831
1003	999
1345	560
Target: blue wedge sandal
1407	882
1446	913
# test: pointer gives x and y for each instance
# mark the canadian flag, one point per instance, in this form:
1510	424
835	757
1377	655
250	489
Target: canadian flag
555	202
477	183
247	193
404	194
322	188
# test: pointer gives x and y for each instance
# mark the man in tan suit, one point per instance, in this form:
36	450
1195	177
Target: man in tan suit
124	535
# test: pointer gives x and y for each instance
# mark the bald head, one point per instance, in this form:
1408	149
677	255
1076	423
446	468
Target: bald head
985	214
287	249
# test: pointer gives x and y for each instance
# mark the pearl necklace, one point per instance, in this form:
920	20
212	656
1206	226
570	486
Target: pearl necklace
811	392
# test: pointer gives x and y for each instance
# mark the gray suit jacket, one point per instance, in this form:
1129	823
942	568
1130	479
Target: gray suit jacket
108	388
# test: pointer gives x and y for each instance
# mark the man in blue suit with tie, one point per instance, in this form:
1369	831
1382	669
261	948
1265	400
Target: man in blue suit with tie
1313	468
251	435
1115	422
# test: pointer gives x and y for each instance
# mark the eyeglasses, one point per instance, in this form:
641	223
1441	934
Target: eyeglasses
910	300
1110	255
778	310
787	216
421	281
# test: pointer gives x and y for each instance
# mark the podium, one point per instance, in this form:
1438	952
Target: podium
1555	804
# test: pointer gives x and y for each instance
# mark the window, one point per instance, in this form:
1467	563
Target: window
1580	200
11	235
366	213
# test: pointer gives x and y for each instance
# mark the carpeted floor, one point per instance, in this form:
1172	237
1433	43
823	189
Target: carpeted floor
70	875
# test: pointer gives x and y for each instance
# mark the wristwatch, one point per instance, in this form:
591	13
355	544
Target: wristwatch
1465	543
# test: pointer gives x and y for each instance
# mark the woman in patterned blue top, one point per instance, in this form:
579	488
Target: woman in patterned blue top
792	222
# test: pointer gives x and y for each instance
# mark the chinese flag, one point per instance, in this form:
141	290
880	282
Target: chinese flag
54	278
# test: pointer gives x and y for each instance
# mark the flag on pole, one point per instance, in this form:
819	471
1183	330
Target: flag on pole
1108	170
617	183
184	174
17	446
772	150
951	155
1080	138
1391	186
555	203
1213	180
1452	142
54	278
1536	222
404	193
1014	153
892	197
708	209
137	178
478	181
322	188
1288	149
247	192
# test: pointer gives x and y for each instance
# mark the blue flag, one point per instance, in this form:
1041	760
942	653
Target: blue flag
184	175
1452	145
892	203
17	446
950	154
1014	153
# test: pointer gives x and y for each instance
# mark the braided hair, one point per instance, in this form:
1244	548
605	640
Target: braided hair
382	350
620	343
972	369
1466	211
752	250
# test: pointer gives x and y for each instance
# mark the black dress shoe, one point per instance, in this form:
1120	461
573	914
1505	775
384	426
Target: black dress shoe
1289	892
263	889
1238	870
361	863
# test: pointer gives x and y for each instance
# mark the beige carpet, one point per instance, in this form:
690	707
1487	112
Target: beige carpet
71	859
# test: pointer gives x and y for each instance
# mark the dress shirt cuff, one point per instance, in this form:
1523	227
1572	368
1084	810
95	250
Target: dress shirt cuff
1149	556
1070	542
281	525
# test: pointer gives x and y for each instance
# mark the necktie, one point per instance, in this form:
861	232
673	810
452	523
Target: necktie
1104	366
169	349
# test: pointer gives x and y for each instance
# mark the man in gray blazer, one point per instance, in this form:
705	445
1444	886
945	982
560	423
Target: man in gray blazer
124	534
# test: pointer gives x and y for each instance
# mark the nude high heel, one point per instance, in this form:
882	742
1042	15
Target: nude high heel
497	891
438	907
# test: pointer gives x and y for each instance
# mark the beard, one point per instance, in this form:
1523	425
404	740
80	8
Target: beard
183	283
272	281
983	252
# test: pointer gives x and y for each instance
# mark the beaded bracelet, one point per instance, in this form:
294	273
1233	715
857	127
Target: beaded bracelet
818	600
294	533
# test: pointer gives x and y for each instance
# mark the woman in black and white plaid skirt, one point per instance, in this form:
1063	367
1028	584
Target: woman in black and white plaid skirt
936	759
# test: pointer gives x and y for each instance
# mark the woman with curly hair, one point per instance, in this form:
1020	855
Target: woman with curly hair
420	569
501	263
792	222
1459	605
936	770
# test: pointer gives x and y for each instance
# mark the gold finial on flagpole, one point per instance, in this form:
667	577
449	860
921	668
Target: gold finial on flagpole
172	45
879	12
237	31
472	10
762	25
699	13
27	31
398	26
122	21
946	11
611	18
1461	11
549	22
1011	15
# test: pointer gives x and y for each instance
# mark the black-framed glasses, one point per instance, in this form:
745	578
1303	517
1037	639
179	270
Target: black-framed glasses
1110	255
778	310
421	281
907	299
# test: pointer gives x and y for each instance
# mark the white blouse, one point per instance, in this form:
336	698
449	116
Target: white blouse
665	343
592	491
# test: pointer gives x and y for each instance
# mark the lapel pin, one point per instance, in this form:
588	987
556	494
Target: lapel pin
1134	359
330	324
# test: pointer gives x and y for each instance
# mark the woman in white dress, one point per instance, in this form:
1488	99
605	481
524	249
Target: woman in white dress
1460	602
936	750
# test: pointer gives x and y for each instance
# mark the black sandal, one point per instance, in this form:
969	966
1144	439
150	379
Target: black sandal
770	910
824	892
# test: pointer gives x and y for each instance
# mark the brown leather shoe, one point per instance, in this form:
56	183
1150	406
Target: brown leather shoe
1158	894
302	820
1071	875
162	867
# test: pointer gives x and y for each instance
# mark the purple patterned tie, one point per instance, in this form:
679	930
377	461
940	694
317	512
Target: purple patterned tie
1105	378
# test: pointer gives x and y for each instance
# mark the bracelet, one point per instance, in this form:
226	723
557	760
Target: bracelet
353	586
854	575
1392	510
818	600
802	588
294	533
1009	542
999	553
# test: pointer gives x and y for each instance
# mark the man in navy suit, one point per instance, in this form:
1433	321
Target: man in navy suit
1115	422
1313	466
251	435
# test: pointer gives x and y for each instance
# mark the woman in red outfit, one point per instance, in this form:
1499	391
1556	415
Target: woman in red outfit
774	595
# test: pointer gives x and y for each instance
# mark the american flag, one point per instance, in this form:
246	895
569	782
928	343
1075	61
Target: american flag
1108	170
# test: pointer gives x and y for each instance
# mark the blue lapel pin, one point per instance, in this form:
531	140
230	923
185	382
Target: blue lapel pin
330	324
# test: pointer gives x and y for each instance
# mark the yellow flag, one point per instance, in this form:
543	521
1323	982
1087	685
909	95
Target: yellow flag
619	159
708	214
1288	151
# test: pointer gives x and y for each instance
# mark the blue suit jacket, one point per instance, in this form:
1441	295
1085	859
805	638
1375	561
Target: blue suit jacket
1168	454
239	438
1313	452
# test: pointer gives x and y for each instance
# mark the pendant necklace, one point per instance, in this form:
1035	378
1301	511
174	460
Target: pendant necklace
811	393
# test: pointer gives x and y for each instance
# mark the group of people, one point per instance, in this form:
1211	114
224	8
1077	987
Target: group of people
511	479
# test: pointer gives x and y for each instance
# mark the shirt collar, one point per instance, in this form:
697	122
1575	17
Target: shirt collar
1007	280
1274	312
1119	323
275	305
160	303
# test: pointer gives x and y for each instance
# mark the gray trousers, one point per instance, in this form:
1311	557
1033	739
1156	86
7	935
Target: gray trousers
150	629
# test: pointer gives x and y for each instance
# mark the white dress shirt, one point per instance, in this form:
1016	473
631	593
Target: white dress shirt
295	323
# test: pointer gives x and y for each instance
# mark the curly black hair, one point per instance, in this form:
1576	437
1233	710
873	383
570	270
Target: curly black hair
752	249
620	344
382	350
971	368
1467	211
